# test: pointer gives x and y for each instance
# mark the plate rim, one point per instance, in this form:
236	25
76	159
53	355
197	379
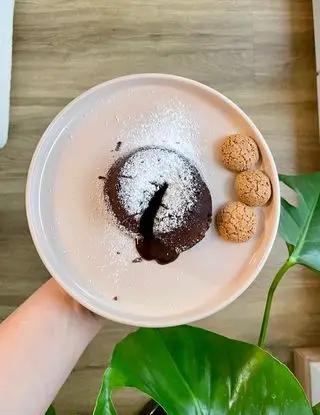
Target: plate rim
176	319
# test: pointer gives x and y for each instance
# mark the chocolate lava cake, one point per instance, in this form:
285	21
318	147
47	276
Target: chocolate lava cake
160	198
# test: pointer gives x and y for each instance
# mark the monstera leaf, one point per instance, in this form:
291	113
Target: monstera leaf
51	411
190	371
316	409
300	226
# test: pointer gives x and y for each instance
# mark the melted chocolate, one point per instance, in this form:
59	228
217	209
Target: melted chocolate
148	245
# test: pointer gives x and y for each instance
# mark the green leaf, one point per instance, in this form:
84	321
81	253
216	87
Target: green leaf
190	371
51	411
316	409
300	226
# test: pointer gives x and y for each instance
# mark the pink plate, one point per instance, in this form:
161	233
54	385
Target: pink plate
72	230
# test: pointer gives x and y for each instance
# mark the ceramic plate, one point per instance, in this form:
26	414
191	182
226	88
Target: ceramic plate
74	234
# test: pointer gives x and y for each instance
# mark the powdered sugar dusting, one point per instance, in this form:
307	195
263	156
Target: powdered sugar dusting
170	124
145	172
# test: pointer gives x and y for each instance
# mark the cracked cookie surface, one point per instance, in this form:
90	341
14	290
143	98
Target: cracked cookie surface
239	152
253	187
236	222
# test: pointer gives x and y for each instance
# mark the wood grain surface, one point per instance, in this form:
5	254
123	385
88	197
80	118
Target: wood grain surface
260	53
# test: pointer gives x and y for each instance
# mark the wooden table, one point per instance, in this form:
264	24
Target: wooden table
260	53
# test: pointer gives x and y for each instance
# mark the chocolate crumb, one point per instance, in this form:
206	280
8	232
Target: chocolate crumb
118	146
136	260
115	298
102	178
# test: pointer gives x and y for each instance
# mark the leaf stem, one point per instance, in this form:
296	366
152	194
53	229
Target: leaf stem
264	326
